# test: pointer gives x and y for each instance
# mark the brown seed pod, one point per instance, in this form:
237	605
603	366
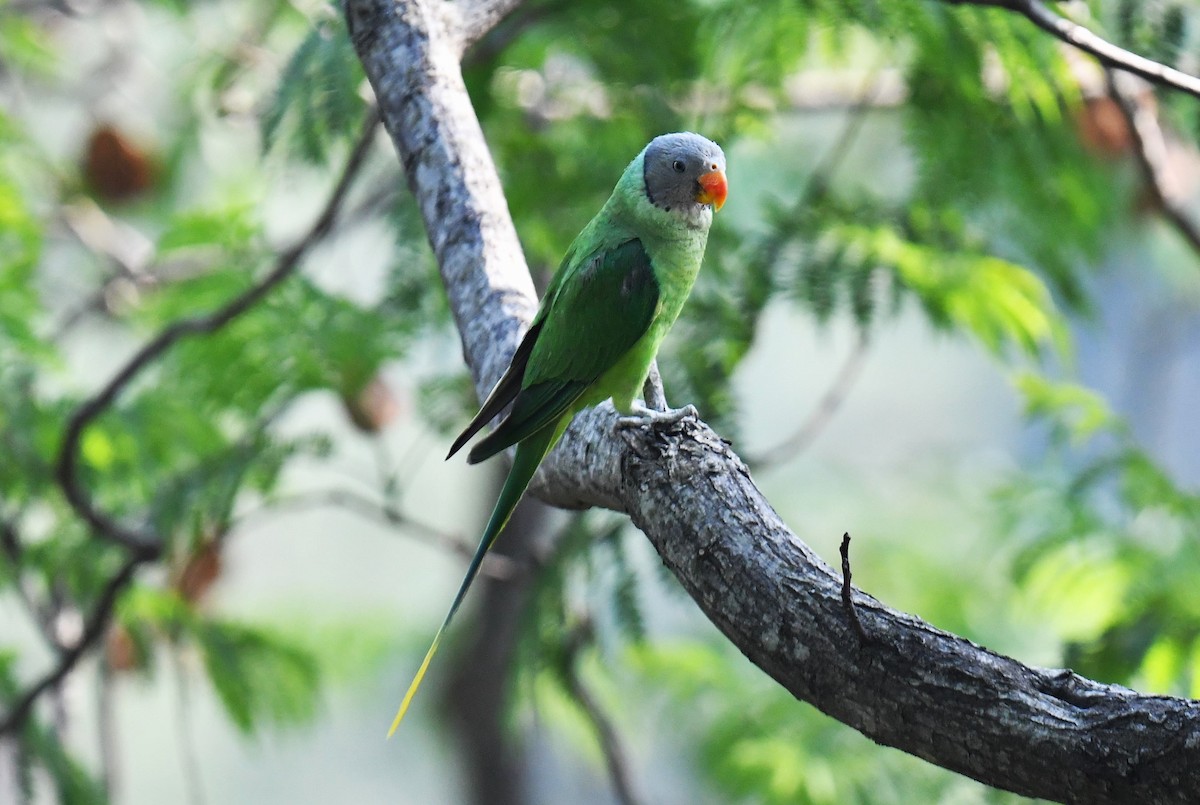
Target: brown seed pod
115	168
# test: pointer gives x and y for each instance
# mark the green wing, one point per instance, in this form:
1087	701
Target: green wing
593	317
505	390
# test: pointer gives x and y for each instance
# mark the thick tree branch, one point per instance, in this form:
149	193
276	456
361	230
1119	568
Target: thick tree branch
1106	52
450	171
1038	732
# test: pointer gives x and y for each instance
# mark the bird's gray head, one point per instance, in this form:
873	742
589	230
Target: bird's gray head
685	173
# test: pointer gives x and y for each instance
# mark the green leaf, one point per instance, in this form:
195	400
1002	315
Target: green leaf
23	45
317	102
346	649
97	449
72	783
1082	588
20	249
259	677
38	746
1079	412
999	302
232	229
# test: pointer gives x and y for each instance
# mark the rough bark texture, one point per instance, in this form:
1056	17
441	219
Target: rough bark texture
1043	733
426	110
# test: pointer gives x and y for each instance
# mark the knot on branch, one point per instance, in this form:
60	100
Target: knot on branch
1070	688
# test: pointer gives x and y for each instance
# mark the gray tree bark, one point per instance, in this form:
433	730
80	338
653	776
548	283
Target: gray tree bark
1039	732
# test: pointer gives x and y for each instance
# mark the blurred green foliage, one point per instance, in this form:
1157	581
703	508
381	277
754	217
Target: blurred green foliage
765	747
993	233
1107	546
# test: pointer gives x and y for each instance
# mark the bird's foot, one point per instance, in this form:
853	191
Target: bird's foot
643	416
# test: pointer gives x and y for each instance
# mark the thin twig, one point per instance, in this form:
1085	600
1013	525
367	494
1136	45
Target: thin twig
189	758
93	628
144	546
819	178
848	591
508	29
822	413
615	756
101	298
494	565
128	250
144	543
41	615
1150	151
815	189
1039	731
817	184
106	732
1106	52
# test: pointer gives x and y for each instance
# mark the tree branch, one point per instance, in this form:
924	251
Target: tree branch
142	543
1044	733
107	739
615	756
479	17
822	413
494	565
449	170
1150	151
1106	52
93	628
144	546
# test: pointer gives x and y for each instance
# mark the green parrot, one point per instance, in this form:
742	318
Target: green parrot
619	289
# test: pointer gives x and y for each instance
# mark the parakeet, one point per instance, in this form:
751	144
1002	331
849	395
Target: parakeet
619	289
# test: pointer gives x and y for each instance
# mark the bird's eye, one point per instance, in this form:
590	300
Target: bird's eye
678	166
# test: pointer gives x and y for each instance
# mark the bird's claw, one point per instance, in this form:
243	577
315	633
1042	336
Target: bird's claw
643	416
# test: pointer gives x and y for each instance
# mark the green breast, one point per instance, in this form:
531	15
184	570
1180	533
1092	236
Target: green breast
676	263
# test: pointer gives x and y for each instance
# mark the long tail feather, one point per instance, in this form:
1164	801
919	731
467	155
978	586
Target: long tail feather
529	454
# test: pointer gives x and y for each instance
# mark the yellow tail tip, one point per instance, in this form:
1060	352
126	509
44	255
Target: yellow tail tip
412	689
416	683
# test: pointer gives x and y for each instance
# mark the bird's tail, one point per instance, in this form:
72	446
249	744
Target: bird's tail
530	453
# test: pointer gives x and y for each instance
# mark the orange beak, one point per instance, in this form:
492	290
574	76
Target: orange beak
713	189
